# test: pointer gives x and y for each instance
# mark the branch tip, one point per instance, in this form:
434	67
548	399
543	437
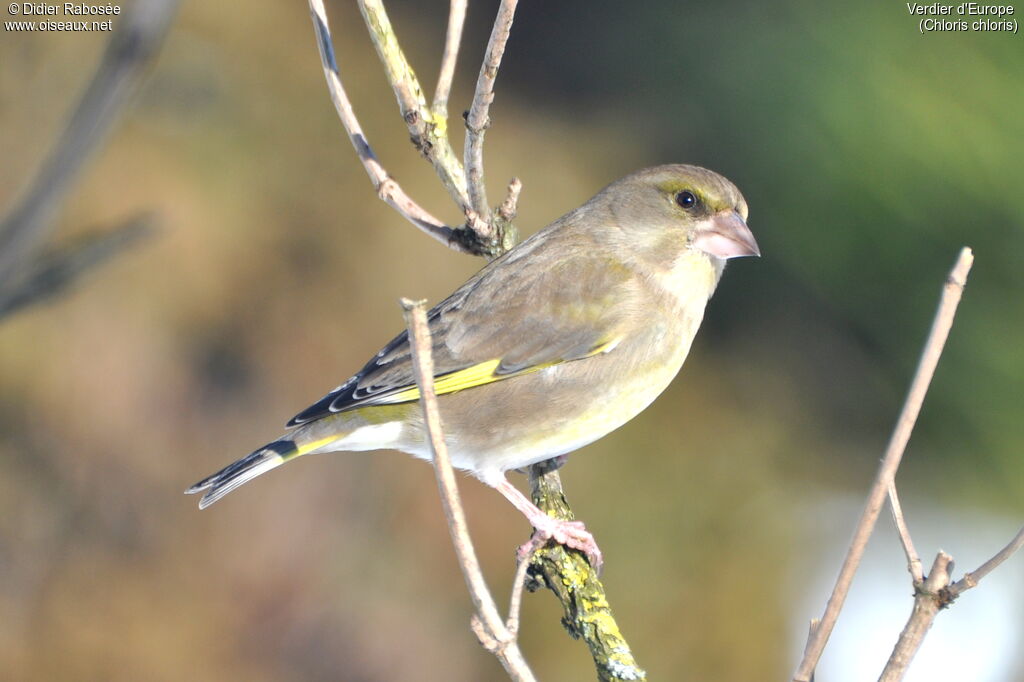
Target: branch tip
478	117
456	21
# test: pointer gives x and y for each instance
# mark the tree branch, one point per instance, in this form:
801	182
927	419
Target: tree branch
53	272
387	188
567	573
428	129
931	596
952	291
133	47
494	634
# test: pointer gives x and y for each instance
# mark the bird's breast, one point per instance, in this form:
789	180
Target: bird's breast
687	281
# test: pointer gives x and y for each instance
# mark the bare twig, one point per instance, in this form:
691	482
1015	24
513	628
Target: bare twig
516	601
930	597
488	624
478	120
913	560
456	20
428	129
811	627
972	578
952	291
53	271
133	47
387	188
508	208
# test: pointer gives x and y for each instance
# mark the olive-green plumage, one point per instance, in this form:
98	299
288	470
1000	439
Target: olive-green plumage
561	340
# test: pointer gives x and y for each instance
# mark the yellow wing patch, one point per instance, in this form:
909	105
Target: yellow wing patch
477	375
480	374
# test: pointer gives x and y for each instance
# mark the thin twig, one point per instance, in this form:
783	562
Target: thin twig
478	120
53	271
509	207
430	136
972	578
386	187
811	627
516	600
134	45
913	560
456	21
951	293
488	624
930	597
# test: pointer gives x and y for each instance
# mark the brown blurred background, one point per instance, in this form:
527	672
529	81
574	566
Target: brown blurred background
868	153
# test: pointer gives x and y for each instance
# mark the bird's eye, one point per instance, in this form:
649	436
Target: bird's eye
686	199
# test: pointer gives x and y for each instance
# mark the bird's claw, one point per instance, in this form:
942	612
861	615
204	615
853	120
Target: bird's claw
572	534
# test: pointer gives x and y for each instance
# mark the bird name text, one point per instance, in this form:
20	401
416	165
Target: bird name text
964	9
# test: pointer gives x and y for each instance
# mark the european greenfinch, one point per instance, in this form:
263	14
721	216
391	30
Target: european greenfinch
549	347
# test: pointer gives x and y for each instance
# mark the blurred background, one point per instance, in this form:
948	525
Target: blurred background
869	154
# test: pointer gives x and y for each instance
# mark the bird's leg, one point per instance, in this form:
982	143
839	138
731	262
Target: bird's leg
544	466
553	464
569	533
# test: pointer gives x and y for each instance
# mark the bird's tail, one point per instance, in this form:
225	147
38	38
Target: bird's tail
270	456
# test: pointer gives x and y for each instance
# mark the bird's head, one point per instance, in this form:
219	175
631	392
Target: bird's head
668	208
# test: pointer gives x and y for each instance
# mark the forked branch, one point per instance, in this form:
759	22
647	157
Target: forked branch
929	598
386	187
933	594
132	49
483	233
951	293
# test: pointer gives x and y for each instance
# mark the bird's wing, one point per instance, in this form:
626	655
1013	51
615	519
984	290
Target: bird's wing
504	322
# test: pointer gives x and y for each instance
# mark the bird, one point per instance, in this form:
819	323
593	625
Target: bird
554	344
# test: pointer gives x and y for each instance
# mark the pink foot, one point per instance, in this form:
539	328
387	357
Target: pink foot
571	534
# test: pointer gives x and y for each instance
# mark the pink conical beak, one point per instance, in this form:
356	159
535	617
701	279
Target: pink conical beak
725	235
